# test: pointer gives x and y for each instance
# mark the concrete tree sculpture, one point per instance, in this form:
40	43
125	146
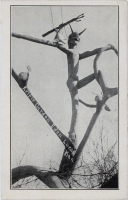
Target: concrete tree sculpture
72	152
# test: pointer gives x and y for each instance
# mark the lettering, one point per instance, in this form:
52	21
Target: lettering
52	126
42	113
67	155
68	147
29	96
55	129
60	135
45	116
57	132
48	120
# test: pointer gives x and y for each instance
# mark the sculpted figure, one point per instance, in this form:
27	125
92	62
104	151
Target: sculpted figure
73	82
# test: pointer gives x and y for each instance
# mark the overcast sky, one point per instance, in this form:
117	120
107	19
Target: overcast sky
47	81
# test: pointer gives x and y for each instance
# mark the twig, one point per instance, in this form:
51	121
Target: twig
86	104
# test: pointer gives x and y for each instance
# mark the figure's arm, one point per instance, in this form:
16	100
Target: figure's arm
95	51
87	54
60	43
42	41
101	50
64	49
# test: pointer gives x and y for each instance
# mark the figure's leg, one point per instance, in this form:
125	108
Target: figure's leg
72	85
83	82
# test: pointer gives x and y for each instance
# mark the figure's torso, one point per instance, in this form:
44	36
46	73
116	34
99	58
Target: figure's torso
73	63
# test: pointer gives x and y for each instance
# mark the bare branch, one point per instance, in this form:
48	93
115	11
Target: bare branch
86	104
106	172
33	39
84	140
15	76
78	183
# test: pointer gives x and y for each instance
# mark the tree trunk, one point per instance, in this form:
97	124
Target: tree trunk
67	165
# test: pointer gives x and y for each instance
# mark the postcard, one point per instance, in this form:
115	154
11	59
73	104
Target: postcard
64	100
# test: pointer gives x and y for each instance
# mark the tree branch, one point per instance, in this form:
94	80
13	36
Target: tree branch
36	40
47	177
66	164
99	106
64	139
86	104
15	76
85	138
105	172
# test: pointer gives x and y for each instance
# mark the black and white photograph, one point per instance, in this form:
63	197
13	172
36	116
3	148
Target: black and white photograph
64	100
64	97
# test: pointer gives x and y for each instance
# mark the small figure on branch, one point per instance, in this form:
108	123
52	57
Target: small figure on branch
23	77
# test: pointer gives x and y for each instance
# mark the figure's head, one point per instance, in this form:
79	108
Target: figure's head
74	37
